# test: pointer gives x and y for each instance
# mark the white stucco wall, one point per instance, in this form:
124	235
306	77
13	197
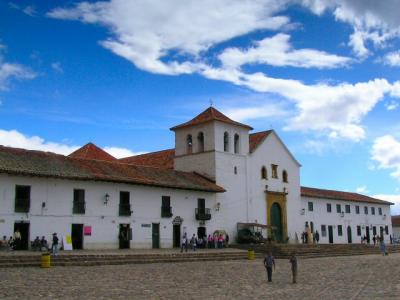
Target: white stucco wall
271	151
57	215
319	216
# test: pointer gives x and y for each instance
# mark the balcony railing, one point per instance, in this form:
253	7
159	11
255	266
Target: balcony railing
22	205
125	210
203	214
166	211
79	207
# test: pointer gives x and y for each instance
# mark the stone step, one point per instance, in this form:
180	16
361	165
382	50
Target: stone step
113	257
118	261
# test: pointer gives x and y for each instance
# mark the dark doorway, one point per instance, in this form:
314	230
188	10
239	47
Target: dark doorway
77	236
367	234
177	236
349	238
201	232
23	228
155	236
276	221
330	234
312	227
124	236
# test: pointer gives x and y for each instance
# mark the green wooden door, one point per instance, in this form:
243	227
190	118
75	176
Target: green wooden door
276	222
349	238
156	235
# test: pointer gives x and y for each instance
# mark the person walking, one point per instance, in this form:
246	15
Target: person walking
54	246
193	242
269	262
293	263
184	243
17	240
383	247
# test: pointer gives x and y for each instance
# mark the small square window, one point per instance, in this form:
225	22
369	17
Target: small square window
347	208
338	208
310	206
357	210
328	207
274	173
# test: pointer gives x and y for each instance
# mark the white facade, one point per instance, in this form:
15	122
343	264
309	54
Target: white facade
230	164
376	219
57	216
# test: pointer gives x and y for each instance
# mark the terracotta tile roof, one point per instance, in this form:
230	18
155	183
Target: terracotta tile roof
91	151
255	139
46	164
210	114
160	159
396	221
339	195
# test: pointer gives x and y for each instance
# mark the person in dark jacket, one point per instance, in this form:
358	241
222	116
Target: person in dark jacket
269	262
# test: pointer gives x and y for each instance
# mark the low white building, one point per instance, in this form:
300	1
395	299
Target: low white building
396	227
217	175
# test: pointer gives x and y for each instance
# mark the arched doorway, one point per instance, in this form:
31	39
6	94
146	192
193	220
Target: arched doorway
349	239
276	221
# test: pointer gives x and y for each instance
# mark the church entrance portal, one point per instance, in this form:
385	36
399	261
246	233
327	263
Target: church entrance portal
276	222
277	216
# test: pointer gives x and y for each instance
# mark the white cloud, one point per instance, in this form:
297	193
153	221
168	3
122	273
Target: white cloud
16	139
372	21
56	66
146	31
394	209
277	51
170	38
386	151
392	59
391	105
29	10
362	190
13	71
121	152
336	110
249	113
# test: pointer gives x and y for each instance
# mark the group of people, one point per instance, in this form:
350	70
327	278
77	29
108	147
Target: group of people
212	241
15	243
40	244
313	237
269	264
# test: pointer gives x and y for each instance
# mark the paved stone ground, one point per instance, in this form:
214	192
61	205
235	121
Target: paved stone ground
355	277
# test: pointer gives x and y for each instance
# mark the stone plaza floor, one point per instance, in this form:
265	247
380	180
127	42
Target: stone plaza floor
352	277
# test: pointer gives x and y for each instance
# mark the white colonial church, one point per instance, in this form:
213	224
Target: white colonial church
218	175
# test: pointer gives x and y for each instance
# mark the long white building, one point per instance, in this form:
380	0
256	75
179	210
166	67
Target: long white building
218	174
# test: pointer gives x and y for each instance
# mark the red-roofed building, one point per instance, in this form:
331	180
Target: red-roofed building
218	174
91	151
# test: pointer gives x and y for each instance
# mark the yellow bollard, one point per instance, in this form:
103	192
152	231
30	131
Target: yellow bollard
250	254
45	260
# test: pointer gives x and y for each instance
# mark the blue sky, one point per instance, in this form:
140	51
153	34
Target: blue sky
323	73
